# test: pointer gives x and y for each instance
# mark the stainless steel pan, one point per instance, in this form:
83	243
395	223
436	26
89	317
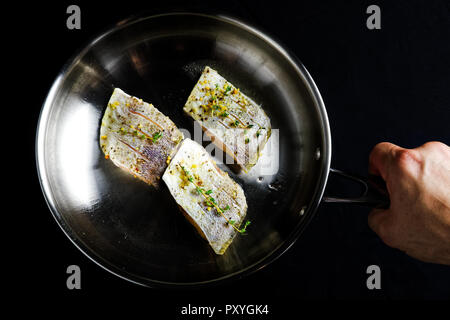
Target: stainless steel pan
137	232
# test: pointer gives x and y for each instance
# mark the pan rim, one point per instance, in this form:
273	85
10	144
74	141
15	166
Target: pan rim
262	263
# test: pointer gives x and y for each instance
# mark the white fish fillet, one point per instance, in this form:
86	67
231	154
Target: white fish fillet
191	169
235	123
137	137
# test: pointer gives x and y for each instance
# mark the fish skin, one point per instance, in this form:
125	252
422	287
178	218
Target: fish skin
242	133
126	130
209	223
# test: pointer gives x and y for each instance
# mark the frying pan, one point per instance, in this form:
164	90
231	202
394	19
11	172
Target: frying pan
137	232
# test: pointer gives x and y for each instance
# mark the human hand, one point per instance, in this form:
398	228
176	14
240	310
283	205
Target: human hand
418	182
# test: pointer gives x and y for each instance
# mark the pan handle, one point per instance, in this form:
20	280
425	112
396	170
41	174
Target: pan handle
374	195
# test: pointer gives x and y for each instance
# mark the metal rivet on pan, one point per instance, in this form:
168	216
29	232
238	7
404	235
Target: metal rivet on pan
302	210
317	154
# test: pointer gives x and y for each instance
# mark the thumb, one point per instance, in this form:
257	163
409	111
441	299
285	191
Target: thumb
381	157
379	221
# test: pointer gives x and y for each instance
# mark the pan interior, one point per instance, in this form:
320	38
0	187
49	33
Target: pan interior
136	231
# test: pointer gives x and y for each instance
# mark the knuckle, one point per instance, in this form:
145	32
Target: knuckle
436	146
403	154
382	146
406	158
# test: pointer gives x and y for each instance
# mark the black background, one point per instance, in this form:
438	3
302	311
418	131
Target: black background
378	85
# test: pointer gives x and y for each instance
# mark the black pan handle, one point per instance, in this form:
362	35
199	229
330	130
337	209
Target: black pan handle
374	194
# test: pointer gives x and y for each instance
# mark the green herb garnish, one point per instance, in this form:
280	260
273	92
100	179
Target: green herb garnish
244	229
185	170
156	136
199	190
211	202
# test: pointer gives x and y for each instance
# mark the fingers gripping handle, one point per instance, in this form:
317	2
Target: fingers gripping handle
374	193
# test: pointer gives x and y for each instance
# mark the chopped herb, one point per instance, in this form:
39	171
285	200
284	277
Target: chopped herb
199	190
156	136
211	202
216	107
227	90
244	229
225	114
186	171
247	140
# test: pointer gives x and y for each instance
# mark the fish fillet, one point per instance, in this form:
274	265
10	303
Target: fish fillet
210	199
235	123
137	137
